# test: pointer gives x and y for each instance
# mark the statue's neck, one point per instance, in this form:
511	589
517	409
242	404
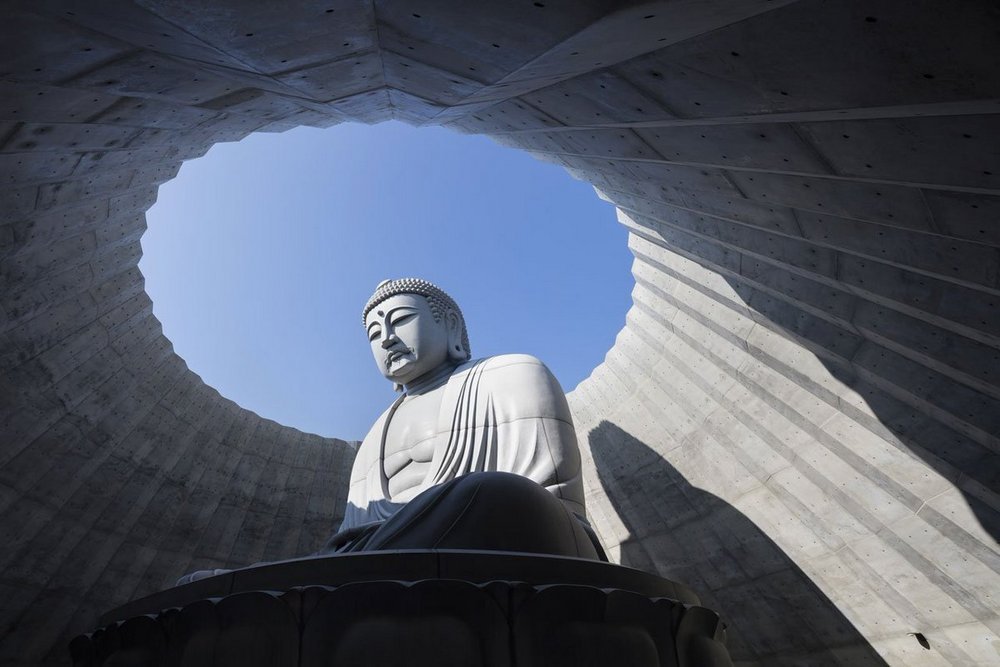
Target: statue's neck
431	380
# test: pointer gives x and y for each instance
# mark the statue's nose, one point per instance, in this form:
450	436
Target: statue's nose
388	340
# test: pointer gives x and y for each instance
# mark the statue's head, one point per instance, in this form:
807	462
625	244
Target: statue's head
414	329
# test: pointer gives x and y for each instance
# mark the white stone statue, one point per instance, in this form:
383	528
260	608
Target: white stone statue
477	455
474	454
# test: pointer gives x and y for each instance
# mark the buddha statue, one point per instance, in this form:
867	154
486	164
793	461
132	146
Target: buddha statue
473	454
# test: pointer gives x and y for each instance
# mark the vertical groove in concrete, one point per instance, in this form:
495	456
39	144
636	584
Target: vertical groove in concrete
800	418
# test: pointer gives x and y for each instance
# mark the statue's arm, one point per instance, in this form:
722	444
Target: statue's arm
359	489
537	435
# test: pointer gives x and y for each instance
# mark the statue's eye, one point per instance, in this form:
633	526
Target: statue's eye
374	333
403	319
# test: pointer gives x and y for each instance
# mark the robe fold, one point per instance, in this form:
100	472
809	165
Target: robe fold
505	413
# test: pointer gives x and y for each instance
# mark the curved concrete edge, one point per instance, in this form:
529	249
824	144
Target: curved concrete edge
479	567
418	607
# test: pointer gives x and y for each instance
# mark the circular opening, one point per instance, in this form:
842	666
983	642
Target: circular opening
260	255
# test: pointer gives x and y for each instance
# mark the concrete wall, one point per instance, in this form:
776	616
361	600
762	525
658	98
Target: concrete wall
799	419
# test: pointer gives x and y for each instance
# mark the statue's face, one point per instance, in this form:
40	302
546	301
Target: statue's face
406	341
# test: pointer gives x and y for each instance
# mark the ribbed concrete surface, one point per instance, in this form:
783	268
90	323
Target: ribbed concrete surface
799	420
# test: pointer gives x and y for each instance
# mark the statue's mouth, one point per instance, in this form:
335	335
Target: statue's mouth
395	355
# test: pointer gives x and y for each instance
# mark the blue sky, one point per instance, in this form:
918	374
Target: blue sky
260	255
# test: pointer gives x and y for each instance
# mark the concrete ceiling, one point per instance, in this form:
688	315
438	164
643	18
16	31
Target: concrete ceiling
800	419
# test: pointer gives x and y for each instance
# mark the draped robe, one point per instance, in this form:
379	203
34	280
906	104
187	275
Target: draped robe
505	413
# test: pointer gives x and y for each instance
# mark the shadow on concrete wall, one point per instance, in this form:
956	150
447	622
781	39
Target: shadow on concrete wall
951	453
930	426
772	609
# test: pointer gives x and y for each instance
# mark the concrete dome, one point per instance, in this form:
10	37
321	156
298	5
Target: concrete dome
800	419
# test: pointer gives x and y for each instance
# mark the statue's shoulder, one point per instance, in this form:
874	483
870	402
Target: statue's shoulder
516	362
513	367
522	384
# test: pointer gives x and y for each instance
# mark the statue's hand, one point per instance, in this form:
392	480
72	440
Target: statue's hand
199	574
343	537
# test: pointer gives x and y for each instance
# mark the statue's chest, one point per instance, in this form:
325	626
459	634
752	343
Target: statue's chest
413	427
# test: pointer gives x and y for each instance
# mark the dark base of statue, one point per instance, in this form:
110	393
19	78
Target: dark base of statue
414	608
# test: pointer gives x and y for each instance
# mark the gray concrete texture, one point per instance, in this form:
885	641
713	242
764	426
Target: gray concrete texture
799	420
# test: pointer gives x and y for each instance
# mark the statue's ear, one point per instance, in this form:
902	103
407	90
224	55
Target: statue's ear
456	349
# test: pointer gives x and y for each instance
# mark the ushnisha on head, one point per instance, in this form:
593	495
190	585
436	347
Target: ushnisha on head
415	330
